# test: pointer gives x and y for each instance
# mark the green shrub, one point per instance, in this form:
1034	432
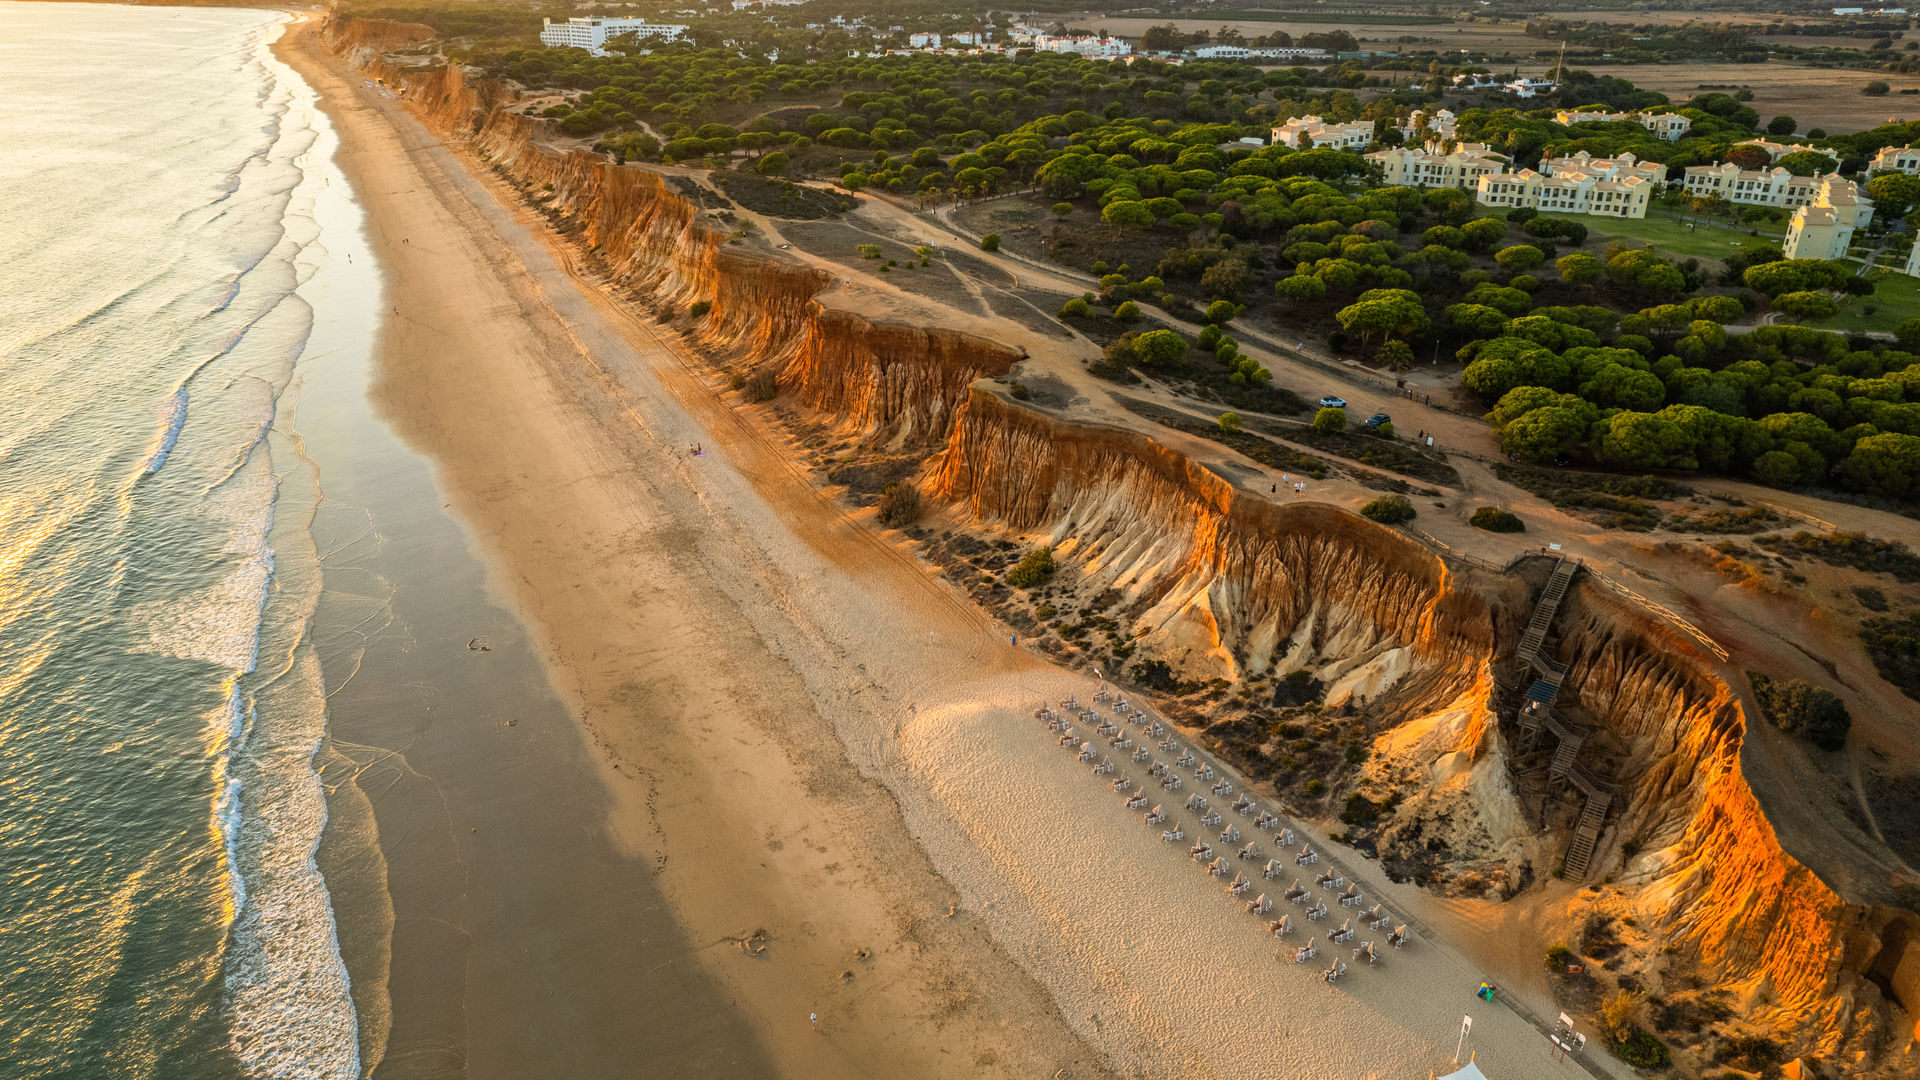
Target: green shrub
1127	312
1229	421
1389	510
1558	957
1020	392
1222	311
990	242
1330	420
1494	519
1642	1050
699	308
899	504
1385	430
1076	308
762	386
868	251
1893	643
1315	787
1800	708
1035	568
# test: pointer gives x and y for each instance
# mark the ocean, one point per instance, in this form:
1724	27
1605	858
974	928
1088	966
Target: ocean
176	252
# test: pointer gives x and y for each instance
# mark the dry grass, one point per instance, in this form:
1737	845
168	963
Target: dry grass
1449	35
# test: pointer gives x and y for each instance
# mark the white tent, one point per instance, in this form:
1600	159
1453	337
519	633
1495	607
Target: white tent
1469	1071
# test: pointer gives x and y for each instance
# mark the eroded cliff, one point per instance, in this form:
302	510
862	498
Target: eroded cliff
1225	585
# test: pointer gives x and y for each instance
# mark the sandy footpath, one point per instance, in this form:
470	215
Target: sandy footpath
801	730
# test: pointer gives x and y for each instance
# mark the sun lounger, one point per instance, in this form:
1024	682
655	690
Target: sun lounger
1250	852
1156	815
1196	801
1210	818
1305	952
1297	894
1366	951
1174	834
1317	912
1272	869
1398	939
1238	885
1281	926
1230	834
1342	933
1259	905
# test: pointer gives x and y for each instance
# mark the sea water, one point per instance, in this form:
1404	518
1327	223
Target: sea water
172	233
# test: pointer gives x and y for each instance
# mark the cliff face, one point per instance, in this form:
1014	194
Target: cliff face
894	383
1743	912
1225	583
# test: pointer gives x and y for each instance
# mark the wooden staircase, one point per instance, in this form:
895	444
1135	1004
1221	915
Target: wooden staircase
1537	714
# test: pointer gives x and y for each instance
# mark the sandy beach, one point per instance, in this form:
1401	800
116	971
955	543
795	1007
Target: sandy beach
783	769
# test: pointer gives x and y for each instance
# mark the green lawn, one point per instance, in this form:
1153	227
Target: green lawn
1670	236
1894	302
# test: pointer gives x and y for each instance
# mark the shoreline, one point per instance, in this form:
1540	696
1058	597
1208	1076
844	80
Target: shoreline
820	857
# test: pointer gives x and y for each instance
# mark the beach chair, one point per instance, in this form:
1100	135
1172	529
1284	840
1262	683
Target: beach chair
1343	933
1259	905
1154	730
1123	784
1042	710
1238	885
1325	880
1156	815
1174	834
1297	894
1305	952
1071	704
1398	939
1068	737
1086	752
1201	851
1108	727
1250	852
1230	834
1204	772
1317	912
1120	704
1376	917
1166	745
1140	754
1104	768
1185	759
1272	869
1157	769
1352	897
1218	867
1281	926
1170	783
1137	800
1307	856
1334	971
1283	838
1103	695
1367	951
1245	806
1057	723
1121	742
1210	818
1196	801
1267	820
1223	789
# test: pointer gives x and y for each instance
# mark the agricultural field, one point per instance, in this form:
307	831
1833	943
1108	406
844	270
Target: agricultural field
1829	98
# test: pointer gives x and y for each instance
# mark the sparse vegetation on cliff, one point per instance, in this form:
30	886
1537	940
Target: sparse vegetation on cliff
1893	643
1035	568
1800	708
899	504
1857	550
1497	519
1389	510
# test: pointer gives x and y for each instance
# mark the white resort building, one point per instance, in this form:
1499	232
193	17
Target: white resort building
1462	168
591	34
1823	228
1312	130
1756	187
1904	159
1442	124
1605	187
1669	126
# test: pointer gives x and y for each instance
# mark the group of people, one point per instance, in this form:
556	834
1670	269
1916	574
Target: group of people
1297	486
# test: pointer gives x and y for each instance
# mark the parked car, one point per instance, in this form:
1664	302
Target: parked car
1331	402
1377	419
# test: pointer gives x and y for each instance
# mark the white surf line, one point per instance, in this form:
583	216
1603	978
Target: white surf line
1080	712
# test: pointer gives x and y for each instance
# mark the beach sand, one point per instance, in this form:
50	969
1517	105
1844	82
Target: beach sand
772	718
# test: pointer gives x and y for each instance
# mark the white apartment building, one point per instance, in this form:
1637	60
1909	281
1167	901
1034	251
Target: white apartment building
1620	168
923	41
1776	151
1529	87
1823	228
591	34
1442	123
1417	168
1317	132
1569	192
964	37
1904	159
1669	126
1085	46
1756	187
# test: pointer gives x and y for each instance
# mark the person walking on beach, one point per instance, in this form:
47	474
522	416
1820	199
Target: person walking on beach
815	1019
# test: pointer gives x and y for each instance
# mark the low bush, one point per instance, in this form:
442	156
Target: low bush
1494	519
762	386
990	242
1558	957
1800	708
1076	308
699	308
1642	1050
899	505
1035	568
1389	510
1893	643
1857	550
